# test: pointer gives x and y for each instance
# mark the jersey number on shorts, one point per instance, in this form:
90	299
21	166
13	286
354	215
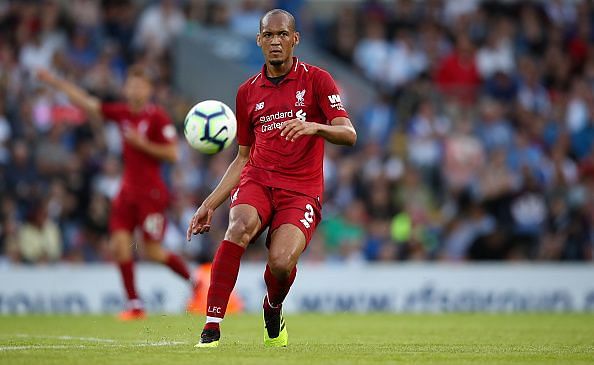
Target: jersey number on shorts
153	224
308	216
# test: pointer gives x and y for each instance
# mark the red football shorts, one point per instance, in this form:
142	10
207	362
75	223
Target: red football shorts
147	211
279	206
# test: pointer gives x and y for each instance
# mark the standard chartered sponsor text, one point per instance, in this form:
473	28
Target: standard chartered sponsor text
276	116
272	126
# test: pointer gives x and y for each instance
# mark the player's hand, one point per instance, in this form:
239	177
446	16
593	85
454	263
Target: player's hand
200	222
295	128
47	77
134	138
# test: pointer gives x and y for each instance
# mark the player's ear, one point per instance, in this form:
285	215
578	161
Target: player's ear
296	38
258	40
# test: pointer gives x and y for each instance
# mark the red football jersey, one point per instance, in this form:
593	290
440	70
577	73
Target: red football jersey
308	93
142	172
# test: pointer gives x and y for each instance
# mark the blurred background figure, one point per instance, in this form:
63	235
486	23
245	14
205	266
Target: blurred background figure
39	238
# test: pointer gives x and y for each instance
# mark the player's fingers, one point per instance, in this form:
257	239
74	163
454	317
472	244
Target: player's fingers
296	128
199	229
285	130
294	134
203	228
297	135
291	121
191	228
288	126
196	225
189	233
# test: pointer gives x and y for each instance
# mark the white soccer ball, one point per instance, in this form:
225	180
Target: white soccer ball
210	126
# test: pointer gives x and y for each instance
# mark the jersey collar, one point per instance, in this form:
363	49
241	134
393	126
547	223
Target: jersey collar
292	75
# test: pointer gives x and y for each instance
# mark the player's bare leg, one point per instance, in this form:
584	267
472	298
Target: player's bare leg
286	245
121	243
244	224
155	252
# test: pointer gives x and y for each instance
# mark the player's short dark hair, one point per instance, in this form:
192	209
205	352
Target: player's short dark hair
142	72
292	25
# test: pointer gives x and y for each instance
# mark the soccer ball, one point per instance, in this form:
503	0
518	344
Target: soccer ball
210	126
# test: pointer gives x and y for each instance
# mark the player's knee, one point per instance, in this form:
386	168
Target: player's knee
155	253
281	264
241	230
120	249
121	253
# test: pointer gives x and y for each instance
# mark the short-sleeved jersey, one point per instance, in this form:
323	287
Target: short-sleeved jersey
308	93
142	172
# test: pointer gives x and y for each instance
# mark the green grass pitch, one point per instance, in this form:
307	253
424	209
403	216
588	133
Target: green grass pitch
313	339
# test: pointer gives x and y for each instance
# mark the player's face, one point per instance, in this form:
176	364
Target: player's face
277	40
137	90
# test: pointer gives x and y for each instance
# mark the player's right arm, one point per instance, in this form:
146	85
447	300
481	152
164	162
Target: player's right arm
78	96
200	222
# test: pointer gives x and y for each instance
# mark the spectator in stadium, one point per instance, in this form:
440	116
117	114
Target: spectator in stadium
371	52
457	75
246	17
158	25
5	134
21	176
39	238
9	235
496	55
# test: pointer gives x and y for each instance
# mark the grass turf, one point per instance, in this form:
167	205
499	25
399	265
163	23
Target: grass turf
314	339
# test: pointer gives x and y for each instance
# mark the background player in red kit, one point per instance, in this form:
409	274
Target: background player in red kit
149	139
284	114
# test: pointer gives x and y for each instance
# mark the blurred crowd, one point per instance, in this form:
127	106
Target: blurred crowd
480	145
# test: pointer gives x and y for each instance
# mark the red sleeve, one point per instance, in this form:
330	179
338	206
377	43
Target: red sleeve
245	133
328	96
162	130
114	112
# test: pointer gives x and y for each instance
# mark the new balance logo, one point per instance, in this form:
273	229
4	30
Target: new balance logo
153	224
259	106
335	102
234	196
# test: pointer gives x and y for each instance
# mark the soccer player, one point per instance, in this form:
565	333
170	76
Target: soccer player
284	114
149	139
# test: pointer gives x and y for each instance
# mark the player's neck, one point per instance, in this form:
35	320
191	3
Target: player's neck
279	70
136	107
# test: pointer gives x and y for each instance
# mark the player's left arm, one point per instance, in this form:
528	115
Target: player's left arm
161	151
162	145
339	131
